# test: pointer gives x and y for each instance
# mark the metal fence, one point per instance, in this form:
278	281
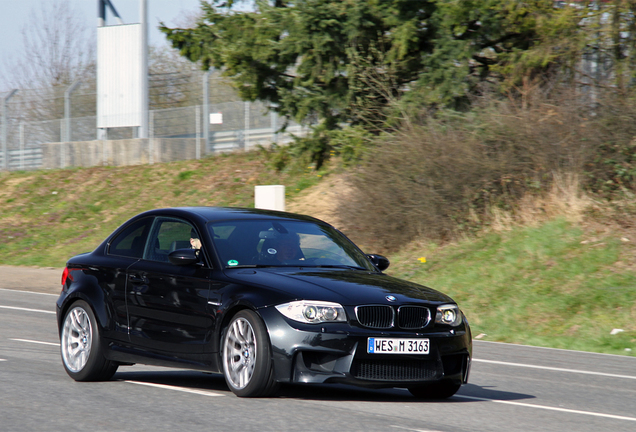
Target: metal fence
244	126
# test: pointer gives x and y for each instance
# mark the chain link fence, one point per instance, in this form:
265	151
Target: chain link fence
55	128
244	125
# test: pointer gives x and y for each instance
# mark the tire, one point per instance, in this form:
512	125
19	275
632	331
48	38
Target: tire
438	390
81	346
246	356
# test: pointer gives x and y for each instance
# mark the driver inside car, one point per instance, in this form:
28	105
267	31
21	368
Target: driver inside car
283	249
195	242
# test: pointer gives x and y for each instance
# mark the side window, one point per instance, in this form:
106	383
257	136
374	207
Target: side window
131	241
167	236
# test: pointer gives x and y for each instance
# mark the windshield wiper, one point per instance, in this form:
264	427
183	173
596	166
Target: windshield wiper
342	266
338	266
262	265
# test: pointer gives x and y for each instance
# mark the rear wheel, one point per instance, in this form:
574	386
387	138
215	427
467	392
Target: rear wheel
246	357
81	348
438	390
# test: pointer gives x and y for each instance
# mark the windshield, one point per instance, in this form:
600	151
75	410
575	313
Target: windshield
267	243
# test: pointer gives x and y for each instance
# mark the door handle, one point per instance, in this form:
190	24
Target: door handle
137	279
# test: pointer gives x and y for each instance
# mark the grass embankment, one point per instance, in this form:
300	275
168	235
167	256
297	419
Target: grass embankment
48	216
557	284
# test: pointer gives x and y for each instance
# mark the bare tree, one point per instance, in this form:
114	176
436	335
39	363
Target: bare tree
58	47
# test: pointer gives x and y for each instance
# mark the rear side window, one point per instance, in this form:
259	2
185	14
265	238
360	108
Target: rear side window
132	240
168	235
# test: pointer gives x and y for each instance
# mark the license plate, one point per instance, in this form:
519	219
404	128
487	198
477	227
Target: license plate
397	346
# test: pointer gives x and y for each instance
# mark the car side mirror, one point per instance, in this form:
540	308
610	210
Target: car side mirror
184	257
381	262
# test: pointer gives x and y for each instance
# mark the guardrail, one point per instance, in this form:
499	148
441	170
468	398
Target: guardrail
140	151
23	159
247	139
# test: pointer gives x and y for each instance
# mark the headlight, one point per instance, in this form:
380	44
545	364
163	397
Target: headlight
449	315
313	312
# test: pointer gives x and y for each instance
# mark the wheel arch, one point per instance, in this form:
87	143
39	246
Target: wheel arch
251	374
94	297
229	314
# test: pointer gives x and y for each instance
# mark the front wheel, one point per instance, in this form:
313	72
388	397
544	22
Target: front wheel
246	356
80	345
437	390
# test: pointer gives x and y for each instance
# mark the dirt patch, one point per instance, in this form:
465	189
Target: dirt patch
321	201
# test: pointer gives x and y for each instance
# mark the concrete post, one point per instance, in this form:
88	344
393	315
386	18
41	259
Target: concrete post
270	197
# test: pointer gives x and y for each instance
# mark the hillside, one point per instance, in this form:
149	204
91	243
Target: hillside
564	280
48	216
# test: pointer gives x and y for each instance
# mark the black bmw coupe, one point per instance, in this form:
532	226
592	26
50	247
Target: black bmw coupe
262	297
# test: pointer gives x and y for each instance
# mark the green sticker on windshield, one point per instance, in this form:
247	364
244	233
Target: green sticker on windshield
232	262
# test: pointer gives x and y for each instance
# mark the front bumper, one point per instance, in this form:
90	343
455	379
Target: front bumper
337	353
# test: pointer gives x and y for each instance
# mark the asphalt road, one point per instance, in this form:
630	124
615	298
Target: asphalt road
512	388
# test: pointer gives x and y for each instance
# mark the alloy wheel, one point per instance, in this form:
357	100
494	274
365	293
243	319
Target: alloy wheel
77	339
239	354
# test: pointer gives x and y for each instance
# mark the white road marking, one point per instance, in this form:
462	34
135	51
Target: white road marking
3	359
566	410
414	430
477	341
181	389
554	369
27	309
30	292
36	342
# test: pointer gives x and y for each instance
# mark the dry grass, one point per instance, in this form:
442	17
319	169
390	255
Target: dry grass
504	164
321	201
565	199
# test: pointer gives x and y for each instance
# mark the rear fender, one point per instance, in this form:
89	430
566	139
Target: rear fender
85	287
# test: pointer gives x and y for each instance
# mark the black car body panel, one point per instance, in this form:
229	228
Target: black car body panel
151	311
339	285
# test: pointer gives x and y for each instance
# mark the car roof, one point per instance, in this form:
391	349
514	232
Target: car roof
215	214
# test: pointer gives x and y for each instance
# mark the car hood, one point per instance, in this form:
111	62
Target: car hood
344	286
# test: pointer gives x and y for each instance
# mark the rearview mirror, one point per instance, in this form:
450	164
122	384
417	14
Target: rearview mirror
381	262
183	257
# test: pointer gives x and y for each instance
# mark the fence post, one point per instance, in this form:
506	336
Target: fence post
151	136
247	126
62	146
206	108
142	132
197	126
5	145
66	136
273	117
21	145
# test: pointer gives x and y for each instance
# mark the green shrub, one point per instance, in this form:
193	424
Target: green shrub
443	174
